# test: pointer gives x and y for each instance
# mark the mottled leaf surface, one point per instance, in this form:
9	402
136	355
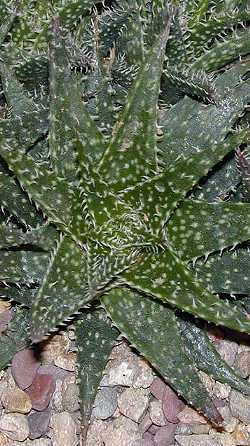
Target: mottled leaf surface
95	338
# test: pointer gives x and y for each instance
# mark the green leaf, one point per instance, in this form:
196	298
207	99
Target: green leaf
43	237
153	329
67	113
63	290
134	136
17	202
238	45
47	190
22	266
203	32
26	129
191	83
22	295
228	273
198	228
163	276
190	126
7	23
16	98
202	352
95	338
156	198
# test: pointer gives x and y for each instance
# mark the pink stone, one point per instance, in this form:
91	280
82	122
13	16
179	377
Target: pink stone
24	367
158	388
41	391
165	435
56	372
171	405
38	423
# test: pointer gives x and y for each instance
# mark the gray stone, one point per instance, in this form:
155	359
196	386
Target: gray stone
205	440
240	406
156	413
56	401
63	430
228	350
144	375
143	442
229	422
122	373
242	363
38	442
145	423
121	432
14	426
70	397
191	416
105	403
200	428
133	403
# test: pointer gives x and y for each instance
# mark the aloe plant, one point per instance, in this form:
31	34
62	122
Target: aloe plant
120	192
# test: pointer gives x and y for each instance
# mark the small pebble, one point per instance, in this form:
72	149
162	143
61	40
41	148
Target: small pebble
16	400
156	413
242	364
53	347
66	361
24	367
56	372
14	426
41	391
5	318
70	398
121	374
56	399
4	440
143	442
191	416
171	405
133	403
105	403
228	350
63	430
145	423
205	440
165	435
229	422
38	423
39	442
143	376
121	432
158	388
240	406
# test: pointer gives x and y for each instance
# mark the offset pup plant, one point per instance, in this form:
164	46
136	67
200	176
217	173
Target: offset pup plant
135	225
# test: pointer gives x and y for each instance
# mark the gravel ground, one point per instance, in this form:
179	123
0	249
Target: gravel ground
134	407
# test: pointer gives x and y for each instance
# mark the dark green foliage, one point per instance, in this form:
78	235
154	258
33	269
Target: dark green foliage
16	337
96	338
120	191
